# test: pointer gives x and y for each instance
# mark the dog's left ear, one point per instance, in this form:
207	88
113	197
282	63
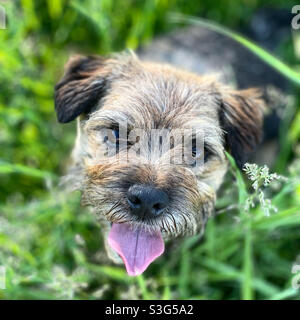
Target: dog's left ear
241	118
81	87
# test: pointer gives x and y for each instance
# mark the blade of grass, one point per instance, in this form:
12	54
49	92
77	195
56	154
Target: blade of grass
288	217
242	189
142	284
12	246
227	272
184	275
112	272
7	168
167	290
247	283
267	57
285	294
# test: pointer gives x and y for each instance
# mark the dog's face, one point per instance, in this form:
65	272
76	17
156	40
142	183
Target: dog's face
138	121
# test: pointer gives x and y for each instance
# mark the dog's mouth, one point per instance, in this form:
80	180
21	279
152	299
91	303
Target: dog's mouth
137	247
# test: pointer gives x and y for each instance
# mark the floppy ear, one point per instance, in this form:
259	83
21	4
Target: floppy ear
241	118
81	87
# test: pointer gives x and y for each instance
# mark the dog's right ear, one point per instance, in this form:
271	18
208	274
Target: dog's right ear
81	87
241	118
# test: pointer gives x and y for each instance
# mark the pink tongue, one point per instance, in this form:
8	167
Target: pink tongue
138	247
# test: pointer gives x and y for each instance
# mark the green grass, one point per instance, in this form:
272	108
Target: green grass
260	52
50	245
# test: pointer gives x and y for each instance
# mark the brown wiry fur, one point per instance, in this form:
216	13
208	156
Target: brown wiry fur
144	95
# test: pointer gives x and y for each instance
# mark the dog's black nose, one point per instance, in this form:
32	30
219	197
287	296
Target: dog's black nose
147	201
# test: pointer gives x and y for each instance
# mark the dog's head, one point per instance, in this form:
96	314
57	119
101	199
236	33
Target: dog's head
150	151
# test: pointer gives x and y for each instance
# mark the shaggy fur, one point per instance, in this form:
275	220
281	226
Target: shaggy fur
123	91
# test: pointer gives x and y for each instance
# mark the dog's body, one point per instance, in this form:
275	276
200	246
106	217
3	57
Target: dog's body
141	203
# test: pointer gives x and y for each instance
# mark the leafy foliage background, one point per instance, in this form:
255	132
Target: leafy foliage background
49	244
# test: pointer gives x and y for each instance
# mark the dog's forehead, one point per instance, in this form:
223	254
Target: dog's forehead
148	94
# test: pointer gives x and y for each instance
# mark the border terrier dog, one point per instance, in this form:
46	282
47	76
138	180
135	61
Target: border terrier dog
145	189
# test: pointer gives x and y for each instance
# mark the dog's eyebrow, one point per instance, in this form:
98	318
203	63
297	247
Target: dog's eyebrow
109	119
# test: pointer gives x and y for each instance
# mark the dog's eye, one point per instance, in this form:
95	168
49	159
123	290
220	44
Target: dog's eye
115	140
116	133
110	136
204	152
207	153
196	151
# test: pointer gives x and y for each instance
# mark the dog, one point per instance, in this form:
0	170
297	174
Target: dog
140	198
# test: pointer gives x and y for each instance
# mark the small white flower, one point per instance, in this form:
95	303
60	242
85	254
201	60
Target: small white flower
261	178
